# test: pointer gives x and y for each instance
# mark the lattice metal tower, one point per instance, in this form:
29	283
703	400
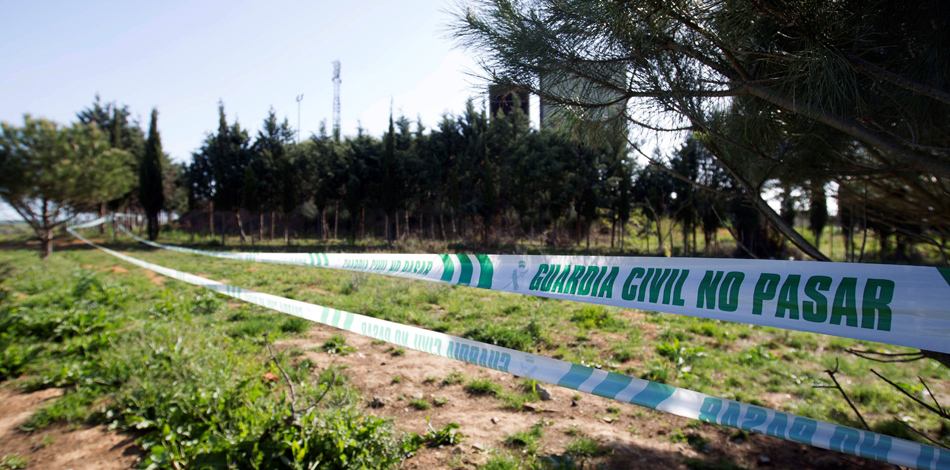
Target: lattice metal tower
336	100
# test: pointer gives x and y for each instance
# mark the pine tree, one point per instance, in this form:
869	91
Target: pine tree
151	190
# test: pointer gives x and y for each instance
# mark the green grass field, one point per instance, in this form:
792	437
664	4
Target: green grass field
157	355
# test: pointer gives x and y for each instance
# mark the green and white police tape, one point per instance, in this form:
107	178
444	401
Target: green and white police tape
899	305
653	395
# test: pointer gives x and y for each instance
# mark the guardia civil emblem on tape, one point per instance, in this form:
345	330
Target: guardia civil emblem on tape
674	400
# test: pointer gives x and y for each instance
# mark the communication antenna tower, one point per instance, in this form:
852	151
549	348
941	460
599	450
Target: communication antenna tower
336	100
299	99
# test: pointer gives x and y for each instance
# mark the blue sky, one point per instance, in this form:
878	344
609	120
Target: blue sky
182	57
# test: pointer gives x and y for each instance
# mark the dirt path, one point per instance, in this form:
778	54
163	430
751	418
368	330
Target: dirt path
638	437
59	446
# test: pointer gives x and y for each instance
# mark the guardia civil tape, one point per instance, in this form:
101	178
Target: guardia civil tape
898	305
678	401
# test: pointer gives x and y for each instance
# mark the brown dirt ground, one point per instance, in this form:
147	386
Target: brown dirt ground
638	437
80	447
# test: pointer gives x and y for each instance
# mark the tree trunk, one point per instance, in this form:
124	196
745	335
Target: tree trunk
396	219
389	231
102	213
223	229
237	215
261	235
323	223
272	216
286	221
455	233
363	219
442	225
211	217
336	220
152	226
406	232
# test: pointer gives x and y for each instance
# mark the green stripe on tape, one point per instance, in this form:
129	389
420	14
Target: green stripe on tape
945	272
653	395
575	377
326	260
612	385
313	260
485	276
448	268
348	320
926	458
465	278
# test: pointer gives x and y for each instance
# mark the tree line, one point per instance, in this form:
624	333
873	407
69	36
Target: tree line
473	177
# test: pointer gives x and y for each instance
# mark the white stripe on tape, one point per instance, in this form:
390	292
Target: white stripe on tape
899	305
640	392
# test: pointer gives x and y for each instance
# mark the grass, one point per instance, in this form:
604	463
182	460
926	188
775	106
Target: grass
13	462
454	378
528	441
586	447
420	404
482	386
87	310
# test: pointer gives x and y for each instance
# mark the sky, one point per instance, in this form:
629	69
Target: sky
183	57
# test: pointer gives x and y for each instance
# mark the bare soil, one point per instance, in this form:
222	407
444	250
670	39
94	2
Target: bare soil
637	437
62	446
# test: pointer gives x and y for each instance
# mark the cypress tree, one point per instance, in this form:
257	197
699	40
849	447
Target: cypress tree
150	177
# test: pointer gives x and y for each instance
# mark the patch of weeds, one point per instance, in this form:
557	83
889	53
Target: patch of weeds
573	430
626	350
694	440
502	462
352	284
440	401
419	404
516	400
13	462
591	317
454	378
397	379
294	325
756	357
398	352
377	342
520	339
430	380
613	410
586	447
337	345
254	327
529	440
447	436
656	372
681	355
48	440
72	407
482	386
206	304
